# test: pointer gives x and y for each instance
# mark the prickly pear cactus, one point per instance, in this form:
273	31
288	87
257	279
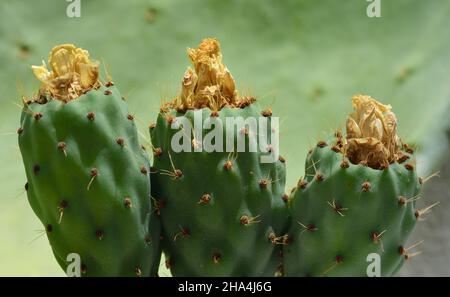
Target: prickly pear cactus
223	212
357	198
88	177
307	57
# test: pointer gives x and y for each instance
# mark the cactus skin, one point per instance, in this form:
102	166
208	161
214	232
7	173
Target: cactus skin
370	202
208	238
106	219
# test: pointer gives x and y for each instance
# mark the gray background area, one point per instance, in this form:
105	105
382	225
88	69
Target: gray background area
434	231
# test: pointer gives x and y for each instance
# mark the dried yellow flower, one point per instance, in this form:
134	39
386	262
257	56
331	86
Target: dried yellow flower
210	84
372	133
72	73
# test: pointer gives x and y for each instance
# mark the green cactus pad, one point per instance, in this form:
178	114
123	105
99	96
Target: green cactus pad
357	199
342	214
88	183
221	213
222	205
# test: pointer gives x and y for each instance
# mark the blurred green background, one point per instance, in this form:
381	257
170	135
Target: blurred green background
303	58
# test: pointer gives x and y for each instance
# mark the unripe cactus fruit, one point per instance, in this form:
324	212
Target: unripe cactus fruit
357	198
85	170
222	212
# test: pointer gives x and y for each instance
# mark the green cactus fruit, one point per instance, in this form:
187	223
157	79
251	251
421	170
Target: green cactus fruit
357	198
88	177
223	212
